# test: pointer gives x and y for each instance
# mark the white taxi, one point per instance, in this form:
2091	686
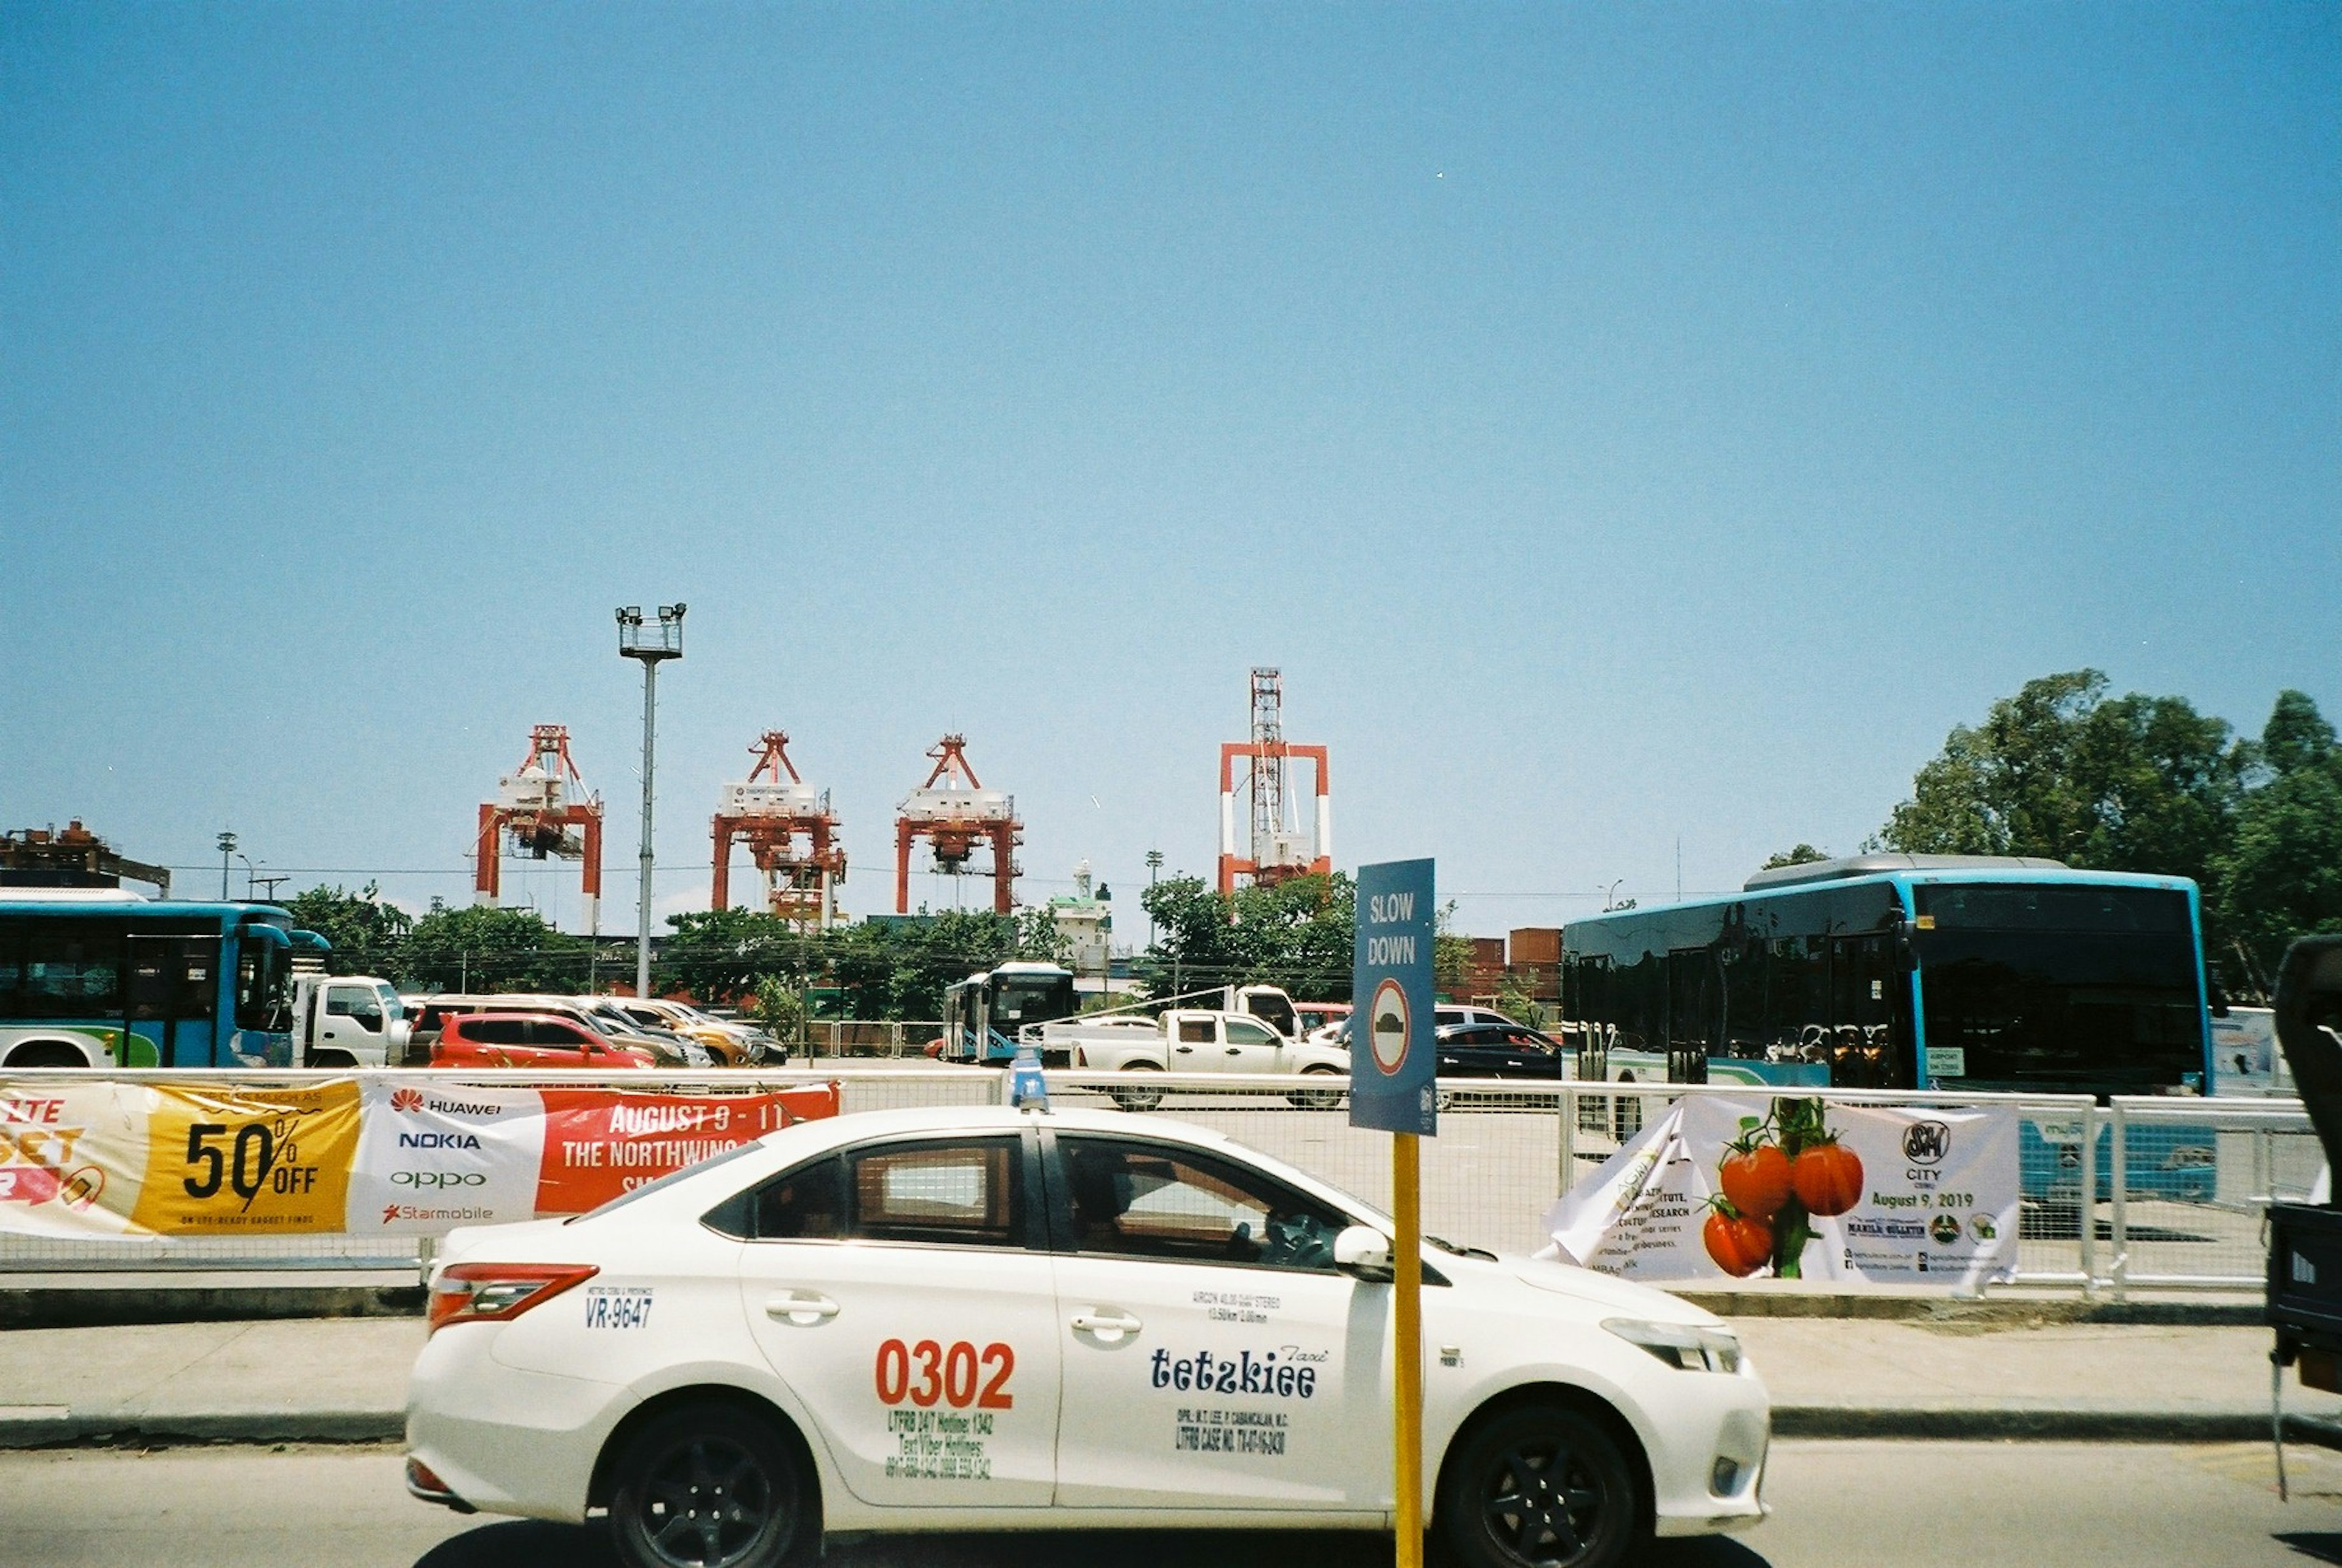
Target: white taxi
978	1318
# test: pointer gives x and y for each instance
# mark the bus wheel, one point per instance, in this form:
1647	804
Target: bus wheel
1626	1113
48	1053
1137	1099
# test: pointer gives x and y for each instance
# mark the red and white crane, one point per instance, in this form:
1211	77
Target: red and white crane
791	834
1279	849
546	810
954	812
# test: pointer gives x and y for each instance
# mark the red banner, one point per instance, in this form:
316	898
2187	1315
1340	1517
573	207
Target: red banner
600	1144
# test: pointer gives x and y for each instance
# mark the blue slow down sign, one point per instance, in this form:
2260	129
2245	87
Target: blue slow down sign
1391	1055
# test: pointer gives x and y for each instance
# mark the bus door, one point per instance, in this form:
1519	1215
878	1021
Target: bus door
170	986
1692	997
1863	978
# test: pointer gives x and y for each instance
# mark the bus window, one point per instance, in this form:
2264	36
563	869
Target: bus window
73	974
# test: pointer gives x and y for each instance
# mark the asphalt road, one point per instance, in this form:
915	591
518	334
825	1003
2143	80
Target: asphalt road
1859	1505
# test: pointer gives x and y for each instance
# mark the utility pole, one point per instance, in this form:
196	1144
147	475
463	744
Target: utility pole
651	644
226	849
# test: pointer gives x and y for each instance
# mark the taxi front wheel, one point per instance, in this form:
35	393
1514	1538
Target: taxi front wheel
708	1486
1542	1487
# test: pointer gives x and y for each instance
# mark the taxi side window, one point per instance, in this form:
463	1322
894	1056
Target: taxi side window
1151	1201
807	1205
964	1192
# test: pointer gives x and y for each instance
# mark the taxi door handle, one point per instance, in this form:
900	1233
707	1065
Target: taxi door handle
1235	1050
803	1308
1107	1324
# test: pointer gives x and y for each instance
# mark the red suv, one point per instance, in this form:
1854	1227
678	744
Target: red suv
527	1040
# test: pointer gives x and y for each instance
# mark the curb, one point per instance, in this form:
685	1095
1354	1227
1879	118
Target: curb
101	1429
111	1429
2011	1312
67	1307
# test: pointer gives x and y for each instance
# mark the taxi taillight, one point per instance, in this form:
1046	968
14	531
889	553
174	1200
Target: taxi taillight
498	1293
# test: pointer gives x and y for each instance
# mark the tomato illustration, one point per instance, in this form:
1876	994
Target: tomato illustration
1828	1177
1739	1244
1757	1180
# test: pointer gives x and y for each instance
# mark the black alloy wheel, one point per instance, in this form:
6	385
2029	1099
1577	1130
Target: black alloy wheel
1543	1487
707	1486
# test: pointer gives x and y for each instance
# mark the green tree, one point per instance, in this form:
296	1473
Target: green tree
367	935
487	949
1297	934
719	955
2132	783
2282	875
1803	854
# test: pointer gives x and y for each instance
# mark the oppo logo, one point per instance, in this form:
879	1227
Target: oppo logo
428	1179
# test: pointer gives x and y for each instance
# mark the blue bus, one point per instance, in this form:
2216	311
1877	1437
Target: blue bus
93	977
1910	972
984	1012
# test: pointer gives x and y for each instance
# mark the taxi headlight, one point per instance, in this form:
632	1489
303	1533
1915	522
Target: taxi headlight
1685	1345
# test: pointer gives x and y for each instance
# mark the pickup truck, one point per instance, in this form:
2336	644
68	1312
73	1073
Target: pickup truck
527	1040
1194	1040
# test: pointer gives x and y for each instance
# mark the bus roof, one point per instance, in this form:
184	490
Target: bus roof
1853	865
46	900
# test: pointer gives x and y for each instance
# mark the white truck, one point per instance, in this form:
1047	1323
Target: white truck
1195	1040
347	1021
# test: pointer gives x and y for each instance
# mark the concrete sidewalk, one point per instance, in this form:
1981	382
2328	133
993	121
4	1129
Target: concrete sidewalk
2002	1374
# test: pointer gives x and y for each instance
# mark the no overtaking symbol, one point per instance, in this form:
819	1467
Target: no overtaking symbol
1387	1028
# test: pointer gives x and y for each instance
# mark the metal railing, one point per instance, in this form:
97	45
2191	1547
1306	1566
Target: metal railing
2137	1194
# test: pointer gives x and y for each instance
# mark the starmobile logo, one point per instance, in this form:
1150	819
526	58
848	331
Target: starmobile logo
408	1100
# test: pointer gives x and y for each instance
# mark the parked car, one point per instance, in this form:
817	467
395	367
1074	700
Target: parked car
978	1318
732	1044
436	1010
528	1040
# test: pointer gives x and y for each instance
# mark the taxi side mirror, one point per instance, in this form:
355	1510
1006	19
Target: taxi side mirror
1363	1252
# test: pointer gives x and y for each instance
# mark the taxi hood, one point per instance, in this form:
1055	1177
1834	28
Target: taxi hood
1607	1294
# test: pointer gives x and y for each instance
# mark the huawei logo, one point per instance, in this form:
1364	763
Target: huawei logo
406	1099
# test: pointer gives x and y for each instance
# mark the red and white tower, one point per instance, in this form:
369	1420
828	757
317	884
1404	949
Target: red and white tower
547	810
791	834
954	812
1279	849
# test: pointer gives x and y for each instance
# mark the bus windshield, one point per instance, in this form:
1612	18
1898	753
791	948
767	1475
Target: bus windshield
1023	998
2084	986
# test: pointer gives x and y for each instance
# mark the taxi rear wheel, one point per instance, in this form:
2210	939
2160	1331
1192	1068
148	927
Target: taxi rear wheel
1542	1487
707	1486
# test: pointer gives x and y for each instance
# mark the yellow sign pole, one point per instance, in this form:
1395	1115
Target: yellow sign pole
1406	1423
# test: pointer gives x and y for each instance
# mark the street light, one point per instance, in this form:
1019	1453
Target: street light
226	848
651	644
1612	889
1153	864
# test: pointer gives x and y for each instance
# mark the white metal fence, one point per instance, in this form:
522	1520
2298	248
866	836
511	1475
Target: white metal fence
2140	1194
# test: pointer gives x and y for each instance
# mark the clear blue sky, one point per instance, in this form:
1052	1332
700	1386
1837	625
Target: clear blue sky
1619	423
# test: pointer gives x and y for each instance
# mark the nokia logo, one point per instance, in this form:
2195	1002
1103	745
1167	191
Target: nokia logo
438	1141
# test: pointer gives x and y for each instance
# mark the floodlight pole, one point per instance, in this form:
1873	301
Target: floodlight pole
652	644
226	848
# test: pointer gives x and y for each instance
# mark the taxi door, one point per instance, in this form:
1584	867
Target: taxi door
1214	1357
903	1293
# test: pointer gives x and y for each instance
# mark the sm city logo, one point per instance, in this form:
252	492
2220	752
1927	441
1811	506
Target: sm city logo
1927	1142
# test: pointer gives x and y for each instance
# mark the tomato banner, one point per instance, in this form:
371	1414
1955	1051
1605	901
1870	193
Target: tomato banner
1795	1187
93	1159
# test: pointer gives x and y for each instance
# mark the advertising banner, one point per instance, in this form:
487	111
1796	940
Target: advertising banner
93	1160
1723	1188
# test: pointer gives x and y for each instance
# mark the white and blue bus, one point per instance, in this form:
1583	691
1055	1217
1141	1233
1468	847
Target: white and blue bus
1988	973
984	1013
94	977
